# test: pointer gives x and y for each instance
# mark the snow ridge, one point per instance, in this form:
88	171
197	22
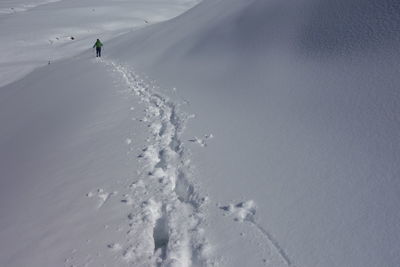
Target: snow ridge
166	218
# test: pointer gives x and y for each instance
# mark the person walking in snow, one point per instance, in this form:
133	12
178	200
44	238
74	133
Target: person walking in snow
98	46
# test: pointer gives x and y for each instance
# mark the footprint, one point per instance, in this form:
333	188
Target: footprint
114	246
201	141
137	184
102	196
243	211
128	200
161	238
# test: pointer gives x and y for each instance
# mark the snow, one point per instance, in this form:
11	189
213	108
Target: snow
15	6
239	133
301	98
53	30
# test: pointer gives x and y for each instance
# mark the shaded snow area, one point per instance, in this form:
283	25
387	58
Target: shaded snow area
214	133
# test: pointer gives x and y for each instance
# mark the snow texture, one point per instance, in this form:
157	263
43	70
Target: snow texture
213	133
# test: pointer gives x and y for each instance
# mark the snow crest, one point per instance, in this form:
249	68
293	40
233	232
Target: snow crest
165	223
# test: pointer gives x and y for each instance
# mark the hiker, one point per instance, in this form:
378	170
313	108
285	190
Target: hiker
98	46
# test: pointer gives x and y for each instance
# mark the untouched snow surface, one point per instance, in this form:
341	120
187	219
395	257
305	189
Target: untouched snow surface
241	133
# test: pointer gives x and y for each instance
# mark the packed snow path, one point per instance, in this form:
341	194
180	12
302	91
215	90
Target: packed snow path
165	225
165	222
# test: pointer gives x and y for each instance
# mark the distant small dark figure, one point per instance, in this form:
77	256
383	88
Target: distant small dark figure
98	46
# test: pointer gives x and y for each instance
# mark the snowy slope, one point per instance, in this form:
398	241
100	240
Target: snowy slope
47	31
75	145
241	133
302	101
62	136
94	172
13	7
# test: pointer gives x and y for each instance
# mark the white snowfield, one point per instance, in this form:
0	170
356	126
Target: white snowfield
15	6
48	31
239	133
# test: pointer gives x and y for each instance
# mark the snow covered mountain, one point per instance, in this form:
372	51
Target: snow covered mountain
302	99
240	133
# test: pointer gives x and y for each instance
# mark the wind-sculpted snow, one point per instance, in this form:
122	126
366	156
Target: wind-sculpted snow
350	26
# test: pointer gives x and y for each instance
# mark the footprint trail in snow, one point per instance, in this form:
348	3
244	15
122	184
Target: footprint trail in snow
165	218
165	213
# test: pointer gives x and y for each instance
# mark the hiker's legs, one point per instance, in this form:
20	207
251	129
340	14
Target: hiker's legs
98	52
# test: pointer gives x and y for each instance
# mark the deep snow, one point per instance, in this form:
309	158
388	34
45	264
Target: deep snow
269	138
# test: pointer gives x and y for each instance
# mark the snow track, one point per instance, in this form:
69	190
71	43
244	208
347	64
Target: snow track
274	243
245	212
166	208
